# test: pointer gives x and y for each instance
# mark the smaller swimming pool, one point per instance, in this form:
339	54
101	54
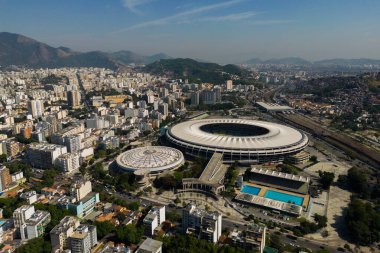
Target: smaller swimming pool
250	189
283	197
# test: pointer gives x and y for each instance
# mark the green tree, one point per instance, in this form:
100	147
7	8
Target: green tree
104	228
363	222
129	234
326	178
37	245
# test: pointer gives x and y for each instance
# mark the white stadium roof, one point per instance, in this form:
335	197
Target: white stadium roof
150	158
277	136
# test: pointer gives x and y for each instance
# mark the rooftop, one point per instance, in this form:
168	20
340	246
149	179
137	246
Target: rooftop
274	107
281	175
149	245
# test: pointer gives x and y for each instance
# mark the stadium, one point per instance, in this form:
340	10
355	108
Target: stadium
245	141
151	159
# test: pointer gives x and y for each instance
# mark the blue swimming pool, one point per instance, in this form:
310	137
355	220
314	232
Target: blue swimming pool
283	197
250	189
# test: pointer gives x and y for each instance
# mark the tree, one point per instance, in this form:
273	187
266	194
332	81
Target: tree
3	158
357	182
103	228
36	245
129	234
321	220
48	177
173	216
9	205
363	222
326	179
313	159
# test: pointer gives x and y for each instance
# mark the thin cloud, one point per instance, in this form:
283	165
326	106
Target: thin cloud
182	17
230	17
133	4
271	22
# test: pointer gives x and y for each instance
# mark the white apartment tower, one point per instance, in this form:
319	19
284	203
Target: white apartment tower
36	108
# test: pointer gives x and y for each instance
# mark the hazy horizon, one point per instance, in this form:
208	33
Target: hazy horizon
229	31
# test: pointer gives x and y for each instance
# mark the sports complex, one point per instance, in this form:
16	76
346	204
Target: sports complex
150	159
245	141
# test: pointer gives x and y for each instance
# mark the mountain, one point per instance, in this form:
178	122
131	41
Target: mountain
194	70
254	61
16	49
278	61
345	62
326	62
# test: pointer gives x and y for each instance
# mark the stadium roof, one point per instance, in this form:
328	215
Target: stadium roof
151	158
276	136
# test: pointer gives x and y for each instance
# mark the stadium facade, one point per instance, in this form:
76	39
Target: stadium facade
245	141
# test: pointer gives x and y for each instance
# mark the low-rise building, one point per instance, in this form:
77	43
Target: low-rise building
150	246
30	197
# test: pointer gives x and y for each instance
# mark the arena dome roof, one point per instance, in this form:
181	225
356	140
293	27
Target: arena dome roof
151	158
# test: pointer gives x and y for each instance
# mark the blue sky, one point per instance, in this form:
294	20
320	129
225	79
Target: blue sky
223	31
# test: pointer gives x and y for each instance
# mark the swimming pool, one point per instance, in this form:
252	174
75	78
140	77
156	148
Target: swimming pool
283	197
250	189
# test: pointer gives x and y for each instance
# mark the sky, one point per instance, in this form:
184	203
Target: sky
224	31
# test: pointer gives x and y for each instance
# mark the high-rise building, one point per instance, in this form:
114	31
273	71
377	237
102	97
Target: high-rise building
73	98
26	132
80	189
11	147
195	98
5	178
154	218
205	225
164	109
164	92
83	239
36	108
68	162
30	223
44	155
208	97
218	93
97	122
229	85
73	143
60	234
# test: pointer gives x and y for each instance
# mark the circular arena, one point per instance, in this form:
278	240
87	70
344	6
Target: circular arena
246	141
151	159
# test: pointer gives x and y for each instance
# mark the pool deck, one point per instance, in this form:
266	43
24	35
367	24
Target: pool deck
264	189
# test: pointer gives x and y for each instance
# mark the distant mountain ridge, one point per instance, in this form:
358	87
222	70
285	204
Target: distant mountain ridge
19	50
326	62
287	60
195	70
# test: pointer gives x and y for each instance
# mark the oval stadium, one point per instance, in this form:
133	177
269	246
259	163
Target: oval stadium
151	159
245	141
